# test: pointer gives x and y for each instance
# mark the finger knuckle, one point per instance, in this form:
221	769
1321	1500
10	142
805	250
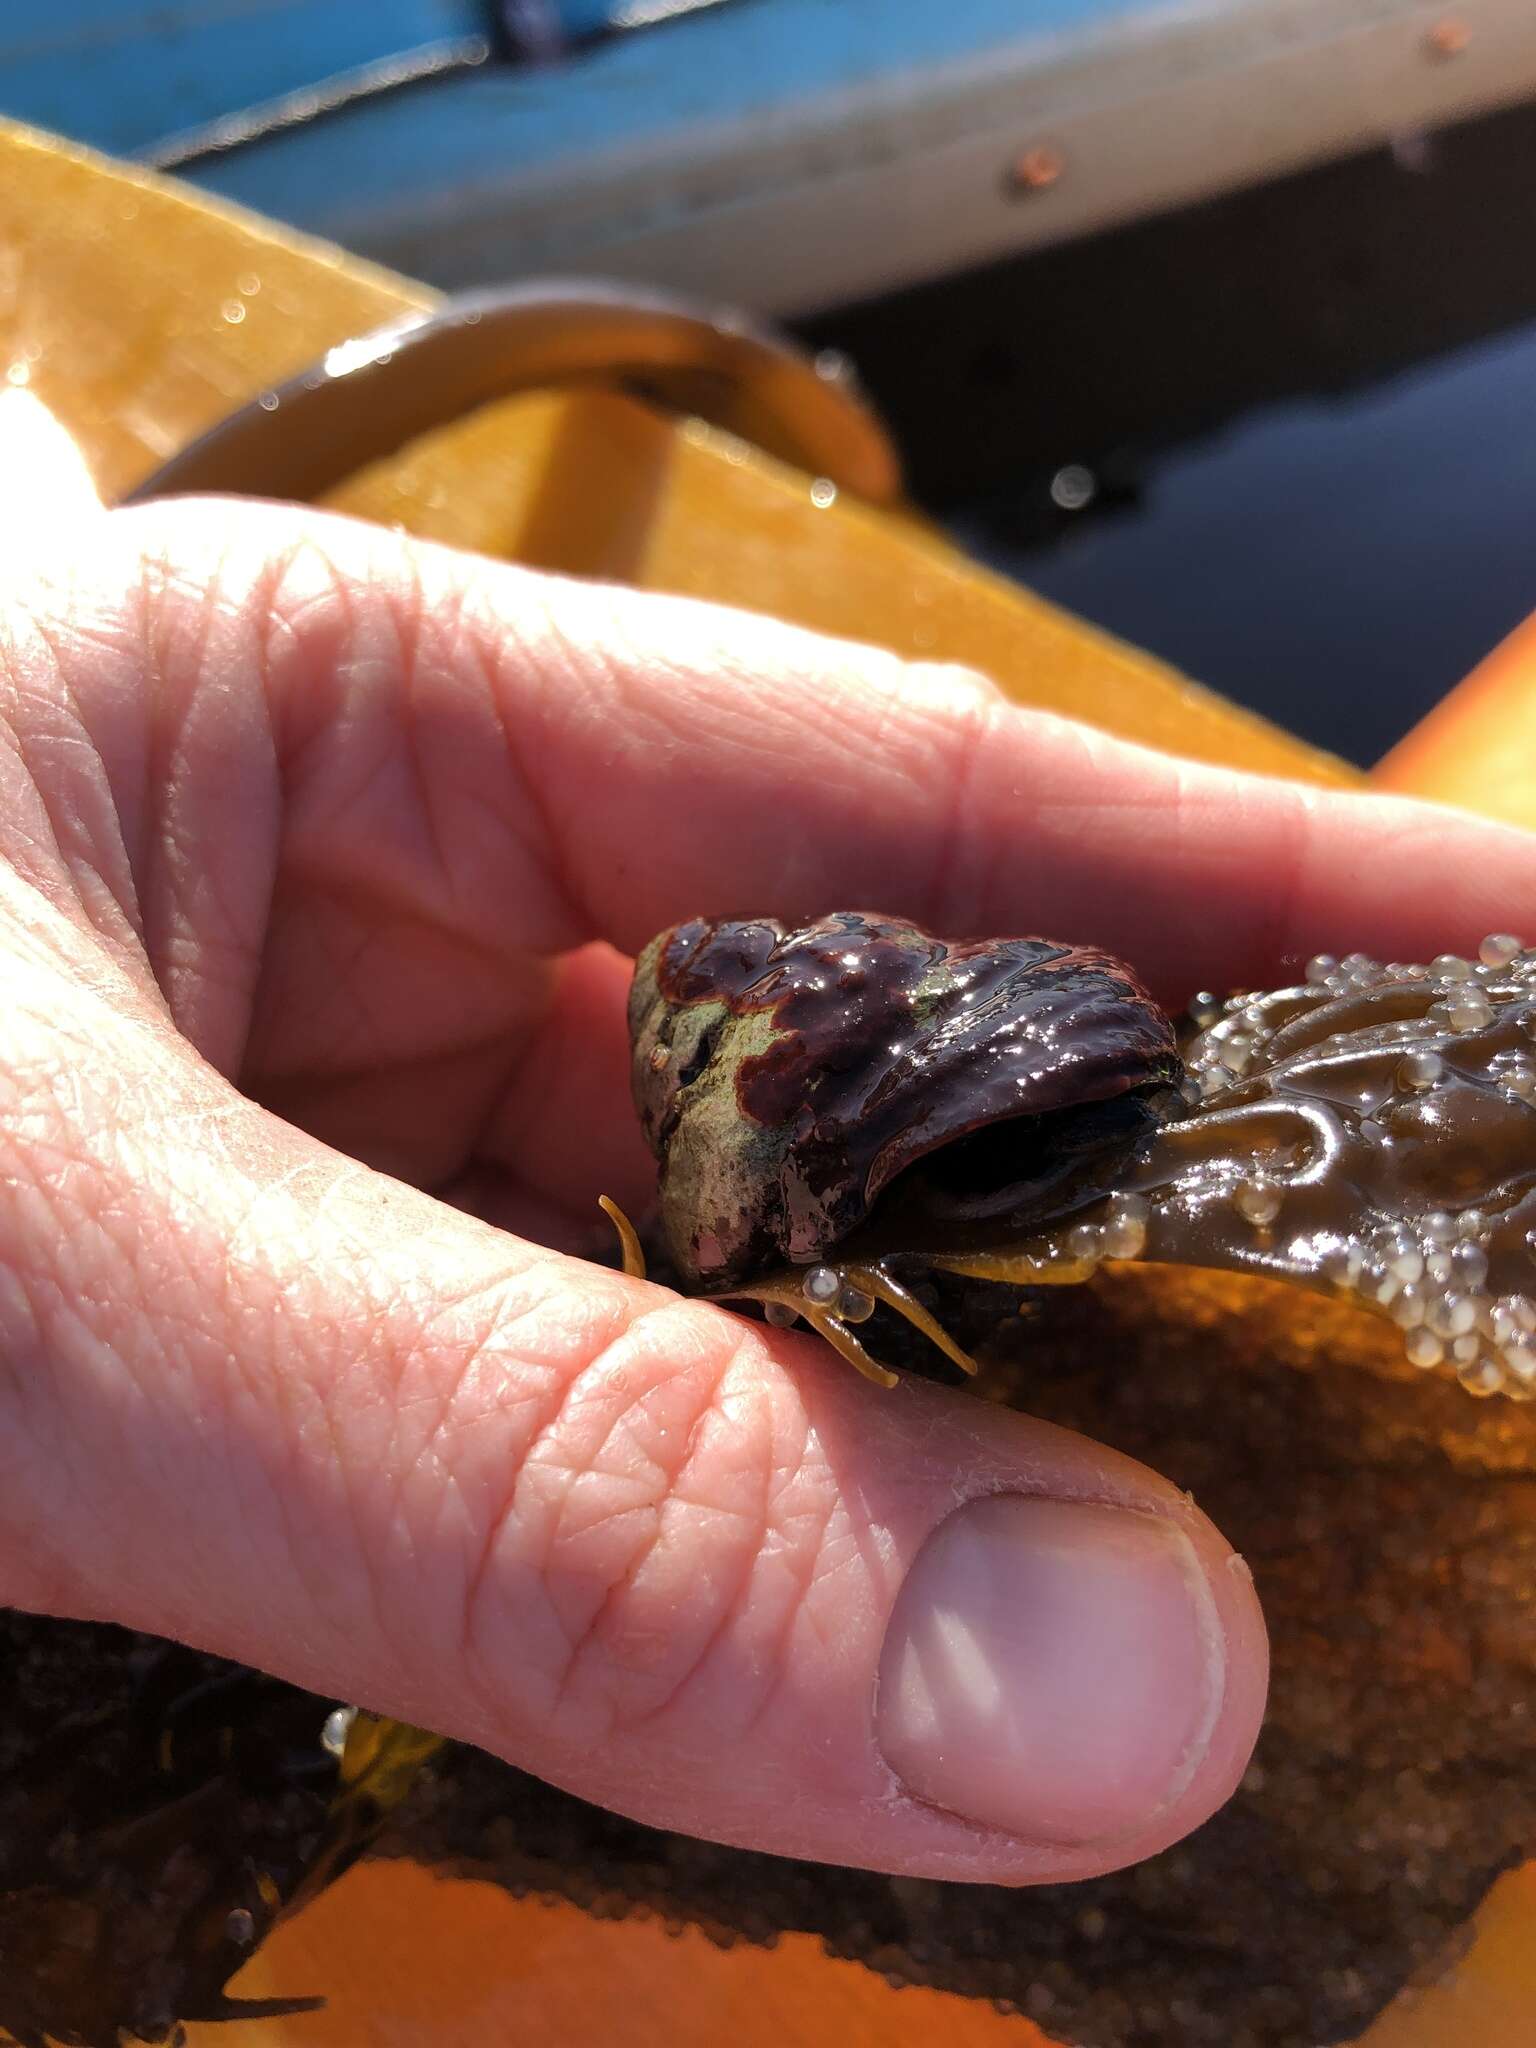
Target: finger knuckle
619	1581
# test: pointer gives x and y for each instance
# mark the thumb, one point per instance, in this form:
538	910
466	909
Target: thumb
260	1398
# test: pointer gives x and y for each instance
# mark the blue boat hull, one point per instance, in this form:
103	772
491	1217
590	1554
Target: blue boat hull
790	154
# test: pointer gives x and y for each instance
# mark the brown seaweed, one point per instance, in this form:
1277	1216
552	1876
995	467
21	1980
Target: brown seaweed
1371	1130
840	1108
152	1807
160	1811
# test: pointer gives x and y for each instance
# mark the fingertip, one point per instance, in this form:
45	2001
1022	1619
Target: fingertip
1085	1677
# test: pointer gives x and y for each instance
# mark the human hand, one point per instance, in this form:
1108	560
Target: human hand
319	856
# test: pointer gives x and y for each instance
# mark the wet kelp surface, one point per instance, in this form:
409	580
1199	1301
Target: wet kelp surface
1391	1525
156	1806
160	1811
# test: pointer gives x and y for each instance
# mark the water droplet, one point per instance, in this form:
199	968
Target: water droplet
1074	487
1469	1010
1469	1265
821	1286
1451	1315
1257	1199
232	311
1344	1265
1498	949
1423	1349
1480	1376
1420	1070
823	493
335	1728
1409	1307
1125	1228
853	1304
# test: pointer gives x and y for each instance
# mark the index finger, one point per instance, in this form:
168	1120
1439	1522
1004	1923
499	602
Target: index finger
596	763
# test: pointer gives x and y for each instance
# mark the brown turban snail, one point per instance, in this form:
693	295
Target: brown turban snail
836	1108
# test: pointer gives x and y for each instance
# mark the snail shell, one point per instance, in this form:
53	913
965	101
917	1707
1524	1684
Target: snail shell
789	1078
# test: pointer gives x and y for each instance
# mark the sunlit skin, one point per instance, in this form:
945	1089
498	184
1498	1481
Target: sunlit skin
321	855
